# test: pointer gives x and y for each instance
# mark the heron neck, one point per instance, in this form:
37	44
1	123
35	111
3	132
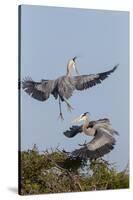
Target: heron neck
87	130
85	126
86	123
69	72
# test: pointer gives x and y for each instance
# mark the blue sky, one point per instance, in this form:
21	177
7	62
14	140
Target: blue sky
50	37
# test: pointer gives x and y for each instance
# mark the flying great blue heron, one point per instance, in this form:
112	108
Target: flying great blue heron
63	86
103	137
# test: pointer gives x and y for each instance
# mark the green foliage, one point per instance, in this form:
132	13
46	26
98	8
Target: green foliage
54	172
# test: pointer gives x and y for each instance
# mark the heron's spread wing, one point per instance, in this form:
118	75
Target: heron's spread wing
86	81
74	130
103	123
100	121
102	144
38	90
102	137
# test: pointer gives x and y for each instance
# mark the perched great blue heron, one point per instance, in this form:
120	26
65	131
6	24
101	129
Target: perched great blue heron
63	86
103	137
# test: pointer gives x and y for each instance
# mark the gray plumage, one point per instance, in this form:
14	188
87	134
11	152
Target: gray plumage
63	86
102	143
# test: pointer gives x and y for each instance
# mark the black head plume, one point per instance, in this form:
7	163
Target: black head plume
85	114
74	58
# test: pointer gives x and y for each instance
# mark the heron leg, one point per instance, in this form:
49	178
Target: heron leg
60	115
70	108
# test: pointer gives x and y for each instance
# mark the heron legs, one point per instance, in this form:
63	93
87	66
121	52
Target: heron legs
60	115
70	108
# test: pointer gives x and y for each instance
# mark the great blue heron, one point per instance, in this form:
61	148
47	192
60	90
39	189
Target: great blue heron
63	86
103	137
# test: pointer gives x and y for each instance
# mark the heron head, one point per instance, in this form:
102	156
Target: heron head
72	66
74	58
82	117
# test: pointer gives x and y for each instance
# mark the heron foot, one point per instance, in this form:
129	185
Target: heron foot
69	107
61	116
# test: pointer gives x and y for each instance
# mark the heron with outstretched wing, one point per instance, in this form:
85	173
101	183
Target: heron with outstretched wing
63	87
103	137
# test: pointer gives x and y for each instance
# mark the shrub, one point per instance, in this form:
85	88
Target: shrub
55	171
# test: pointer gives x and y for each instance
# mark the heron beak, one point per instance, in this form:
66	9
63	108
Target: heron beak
77	120
77	70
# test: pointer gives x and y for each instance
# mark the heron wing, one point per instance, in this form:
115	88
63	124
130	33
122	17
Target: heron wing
102	137
103	123
74	130
101	144
100	121
86	81
38	90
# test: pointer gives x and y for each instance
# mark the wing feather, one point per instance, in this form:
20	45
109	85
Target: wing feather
38	90
74	130
86	81
100	145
